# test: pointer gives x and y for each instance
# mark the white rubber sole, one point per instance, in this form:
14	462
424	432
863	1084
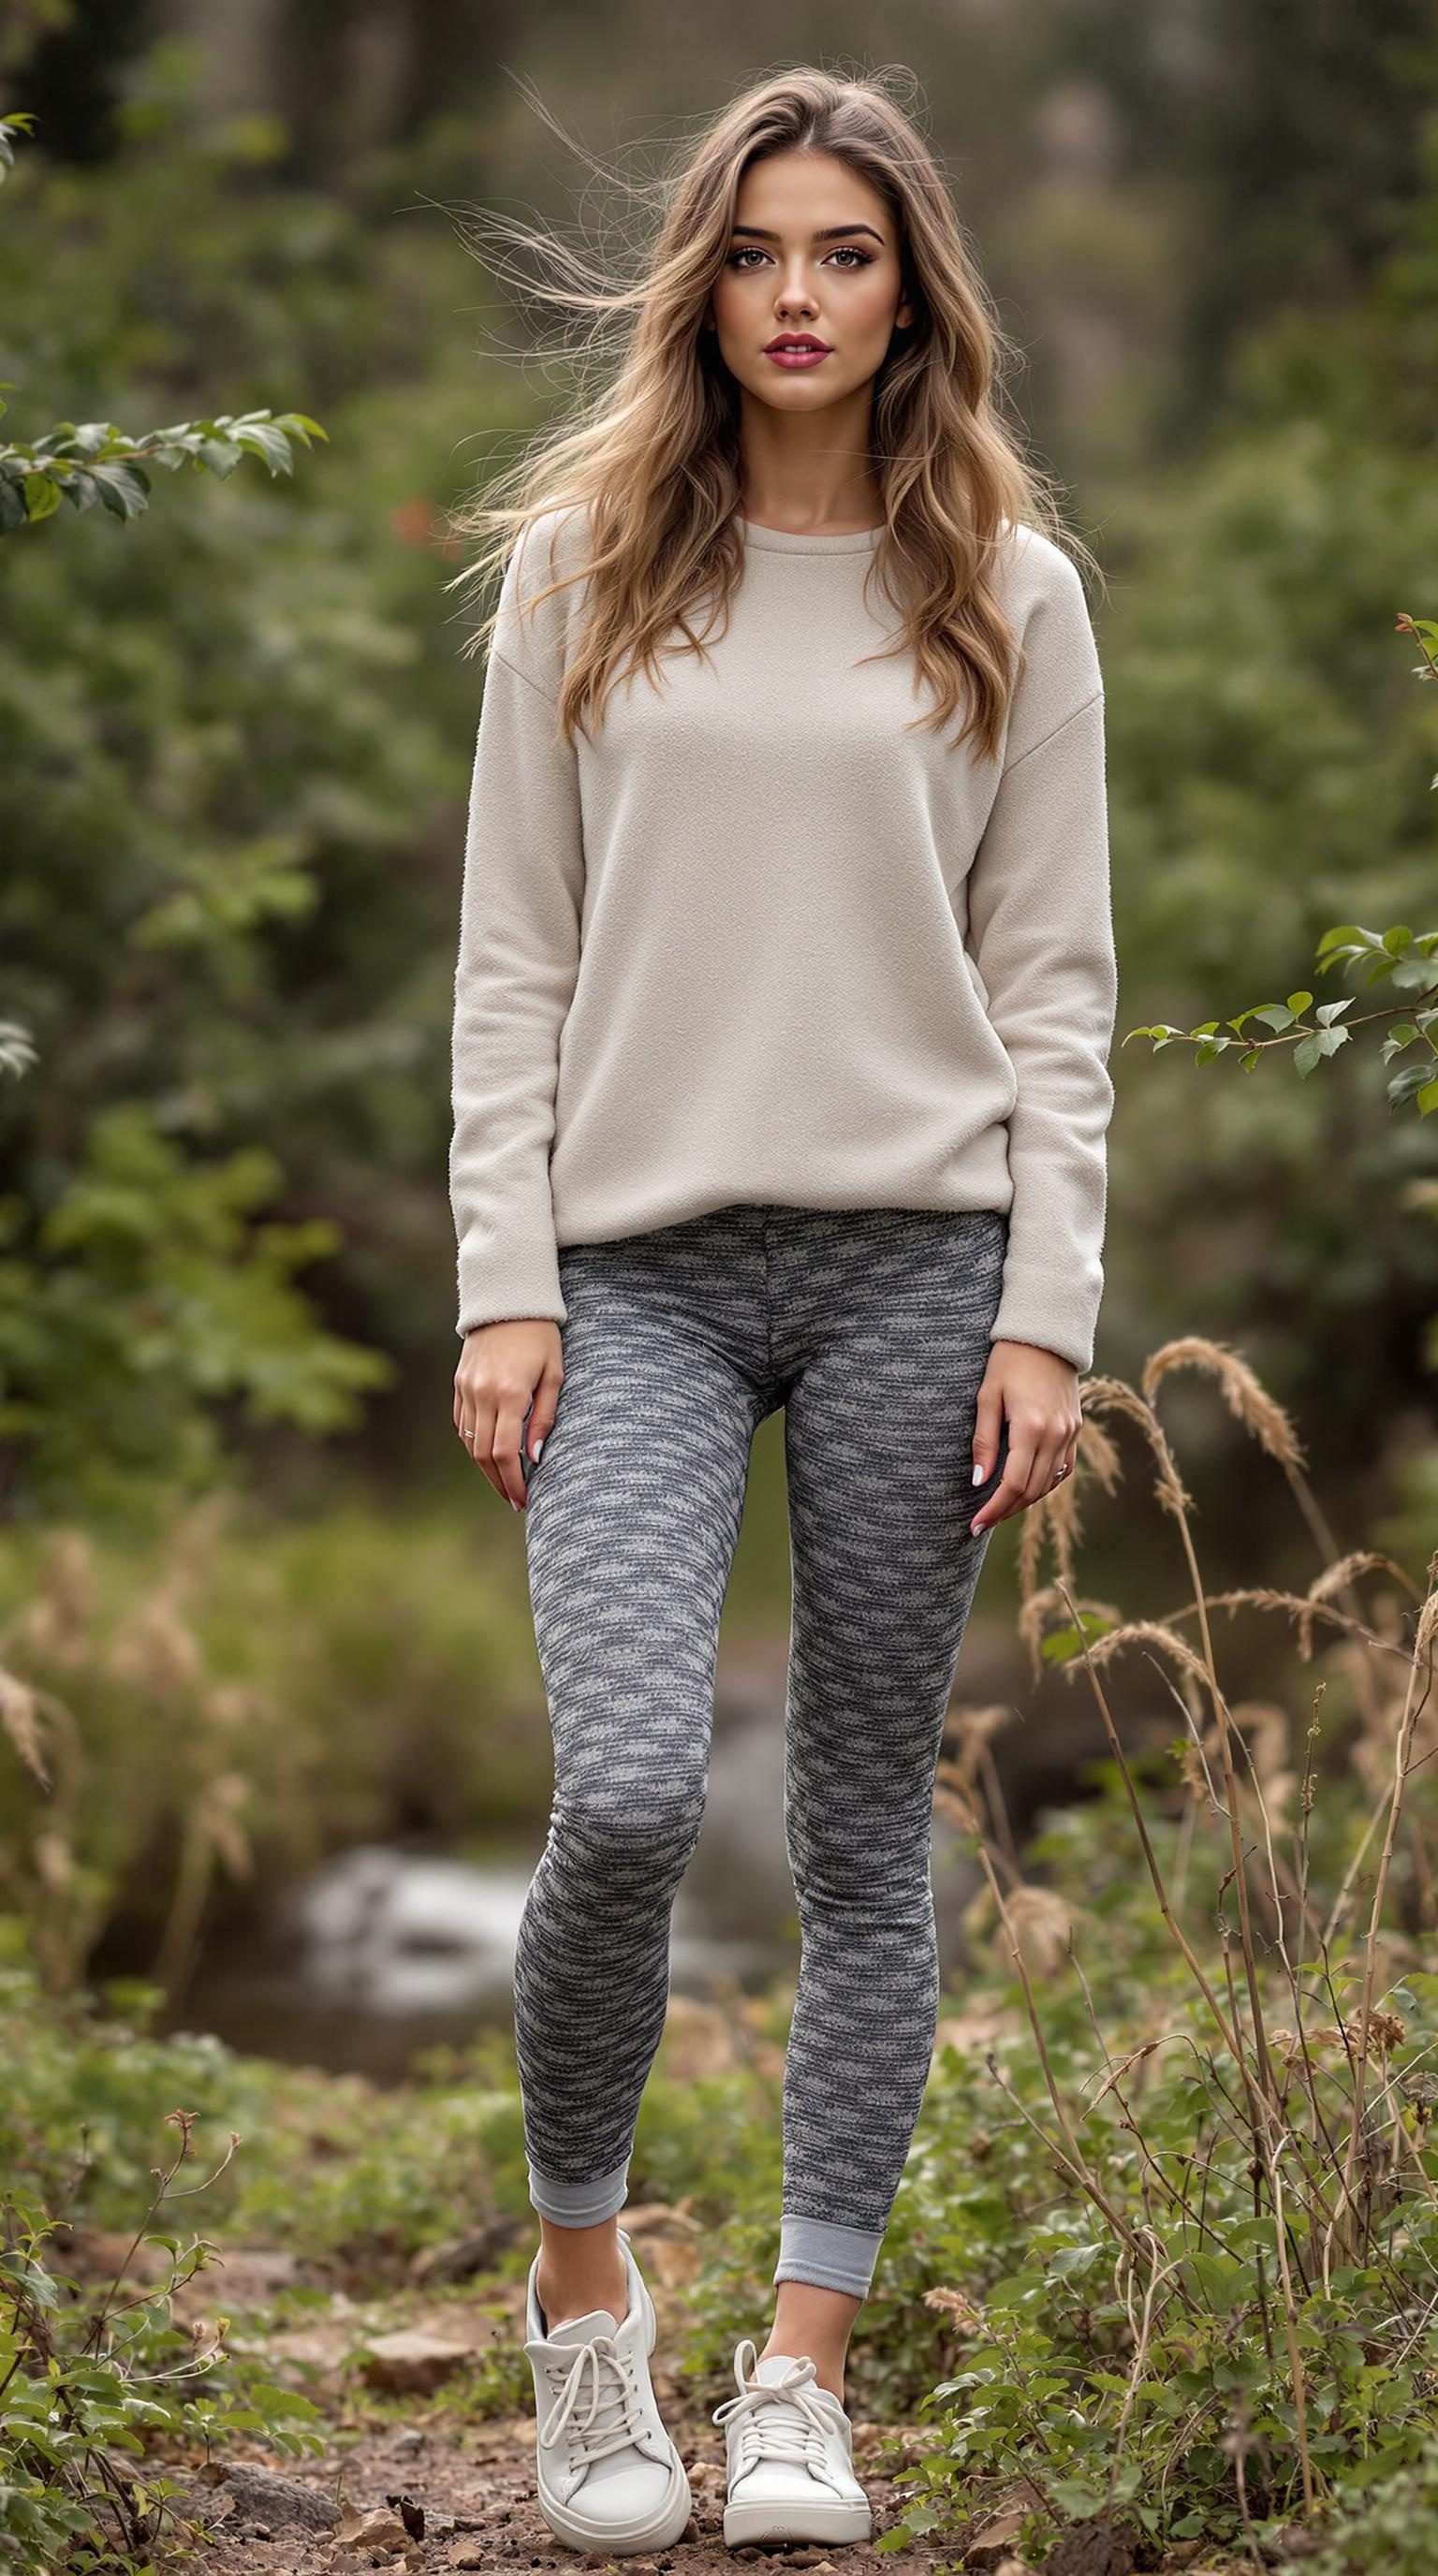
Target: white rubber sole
628	2540
746	2523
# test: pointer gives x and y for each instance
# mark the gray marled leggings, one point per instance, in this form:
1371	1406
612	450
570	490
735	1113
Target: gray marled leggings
871	1328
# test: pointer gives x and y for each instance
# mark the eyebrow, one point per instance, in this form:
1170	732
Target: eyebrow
831	232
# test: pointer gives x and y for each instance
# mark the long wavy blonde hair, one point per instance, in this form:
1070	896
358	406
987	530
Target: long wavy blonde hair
653	455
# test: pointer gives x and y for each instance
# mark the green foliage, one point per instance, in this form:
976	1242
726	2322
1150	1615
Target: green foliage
88	2084
95	2377
83	464
147	1297
223	748
332	2164
1389	2521
1137	2380
1392	955
94	461
1269	774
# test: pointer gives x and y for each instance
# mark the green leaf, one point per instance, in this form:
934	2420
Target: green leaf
42	496
1068	2259
269	442
124	489
1406	1085
32	2277
1076	2499
221	455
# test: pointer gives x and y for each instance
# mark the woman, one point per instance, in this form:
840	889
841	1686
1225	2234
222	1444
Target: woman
781	1024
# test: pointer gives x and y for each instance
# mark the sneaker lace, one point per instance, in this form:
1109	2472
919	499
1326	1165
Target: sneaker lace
778	2419
611	2421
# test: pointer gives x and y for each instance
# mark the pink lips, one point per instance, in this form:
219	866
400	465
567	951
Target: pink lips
799	352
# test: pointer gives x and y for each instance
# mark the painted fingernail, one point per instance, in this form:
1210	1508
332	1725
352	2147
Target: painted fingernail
979	1475
539	1444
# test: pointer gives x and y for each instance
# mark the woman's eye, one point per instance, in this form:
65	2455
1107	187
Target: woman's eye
846	251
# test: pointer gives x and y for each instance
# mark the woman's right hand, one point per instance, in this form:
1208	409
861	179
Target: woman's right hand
506	1370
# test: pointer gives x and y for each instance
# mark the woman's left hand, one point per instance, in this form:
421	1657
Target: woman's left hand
1038	1392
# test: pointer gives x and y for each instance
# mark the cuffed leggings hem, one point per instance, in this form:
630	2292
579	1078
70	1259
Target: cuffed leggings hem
828	2254
580	2204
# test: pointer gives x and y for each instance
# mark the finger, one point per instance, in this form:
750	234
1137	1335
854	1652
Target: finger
504	1454
542	1411
479	1439
1010	1493
1066	1462
1069	1449
988	1431
1047	1457
1006	1497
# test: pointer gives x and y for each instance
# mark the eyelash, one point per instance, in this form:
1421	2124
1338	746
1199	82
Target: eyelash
864	257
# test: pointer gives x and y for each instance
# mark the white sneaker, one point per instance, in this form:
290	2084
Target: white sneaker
791	2455
610	2478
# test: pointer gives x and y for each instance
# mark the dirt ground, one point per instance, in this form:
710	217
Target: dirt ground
421	2489
474	2492
406	2482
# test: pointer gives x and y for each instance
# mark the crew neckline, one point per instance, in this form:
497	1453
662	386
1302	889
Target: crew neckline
791	541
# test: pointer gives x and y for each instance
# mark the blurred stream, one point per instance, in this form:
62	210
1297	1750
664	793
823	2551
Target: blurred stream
385	1951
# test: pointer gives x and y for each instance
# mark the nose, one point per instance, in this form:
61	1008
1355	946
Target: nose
794	298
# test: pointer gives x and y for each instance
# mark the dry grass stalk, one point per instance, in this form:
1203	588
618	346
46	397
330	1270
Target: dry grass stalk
1270	1426
148	1647
1322	2182
1071	2153
1423	1650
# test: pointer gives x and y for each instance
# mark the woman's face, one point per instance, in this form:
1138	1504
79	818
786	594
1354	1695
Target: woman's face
813	253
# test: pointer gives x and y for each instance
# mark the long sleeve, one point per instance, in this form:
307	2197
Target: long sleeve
518	960
1042	938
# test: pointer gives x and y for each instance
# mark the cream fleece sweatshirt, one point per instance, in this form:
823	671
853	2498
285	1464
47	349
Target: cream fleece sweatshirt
756	942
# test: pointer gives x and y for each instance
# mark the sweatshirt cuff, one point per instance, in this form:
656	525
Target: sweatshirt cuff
500	1290
1052	1309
